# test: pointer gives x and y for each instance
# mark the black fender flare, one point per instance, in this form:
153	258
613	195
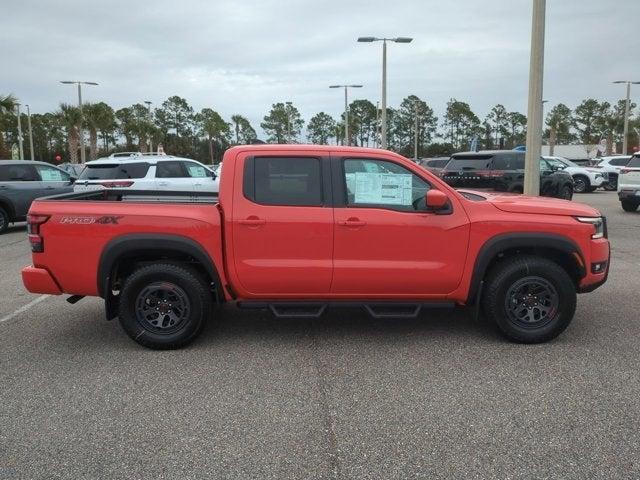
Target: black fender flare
495	245
154	243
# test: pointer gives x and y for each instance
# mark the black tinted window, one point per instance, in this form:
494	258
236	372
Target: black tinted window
469	162
619	162
437	163
287	181
634	162
114	171
17	173
508	161
170	170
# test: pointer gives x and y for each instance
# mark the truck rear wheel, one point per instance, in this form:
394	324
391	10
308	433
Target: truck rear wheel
629	206
531	299
4	220
164	306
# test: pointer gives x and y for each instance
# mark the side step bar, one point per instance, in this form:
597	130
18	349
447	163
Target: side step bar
304	309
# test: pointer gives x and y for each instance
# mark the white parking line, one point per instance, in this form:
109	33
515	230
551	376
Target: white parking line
24	308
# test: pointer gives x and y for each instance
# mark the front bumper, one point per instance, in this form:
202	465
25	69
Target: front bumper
628	194
39	280
600	252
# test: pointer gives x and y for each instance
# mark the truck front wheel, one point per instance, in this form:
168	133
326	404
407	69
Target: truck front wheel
531	299
164	306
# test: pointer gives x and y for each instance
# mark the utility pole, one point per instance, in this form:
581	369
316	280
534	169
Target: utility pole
415	132
347	138
534	110
83	154
377	130
20	133
627	107
30	132
150	125
287	109
383	115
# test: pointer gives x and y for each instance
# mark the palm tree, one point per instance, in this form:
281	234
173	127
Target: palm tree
7	104
237	121
71	118
214	127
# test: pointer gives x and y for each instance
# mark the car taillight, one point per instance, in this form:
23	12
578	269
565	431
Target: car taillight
33	232
116	184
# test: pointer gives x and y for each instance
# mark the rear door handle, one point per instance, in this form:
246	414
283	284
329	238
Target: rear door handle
163	184
253	221
352	222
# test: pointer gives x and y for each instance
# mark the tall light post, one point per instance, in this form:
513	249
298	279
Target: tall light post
287	109
20	132
415	132
383	113
625	140
375	136
79	84
534	109
347	139
148	103
30	132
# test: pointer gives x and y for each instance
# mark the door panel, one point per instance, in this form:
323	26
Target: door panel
20	185
281	228
397	247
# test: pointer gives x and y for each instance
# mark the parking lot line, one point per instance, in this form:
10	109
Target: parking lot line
24	308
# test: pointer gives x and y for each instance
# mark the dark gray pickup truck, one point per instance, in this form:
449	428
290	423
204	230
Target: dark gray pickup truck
22	181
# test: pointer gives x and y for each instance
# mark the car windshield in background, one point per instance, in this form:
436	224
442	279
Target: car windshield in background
469	163
114	171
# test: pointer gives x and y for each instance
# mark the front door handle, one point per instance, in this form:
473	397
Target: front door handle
352	222
163	184
253	221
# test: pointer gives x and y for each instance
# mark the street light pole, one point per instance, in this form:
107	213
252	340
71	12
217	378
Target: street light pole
347	138
288	111
534	117
20	133
150	123
383	113
375	136
30	132
627	107
79	84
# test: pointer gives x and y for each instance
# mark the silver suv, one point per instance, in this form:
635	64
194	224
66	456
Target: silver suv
22	181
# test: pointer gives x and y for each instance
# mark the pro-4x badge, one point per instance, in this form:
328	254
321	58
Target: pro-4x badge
106	220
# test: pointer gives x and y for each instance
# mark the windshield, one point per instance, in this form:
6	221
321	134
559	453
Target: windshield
568	162
106	171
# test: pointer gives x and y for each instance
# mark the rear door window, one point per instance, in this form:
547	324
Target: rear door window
52	174
294	181
18	173
470	162
619	162
508	161
634	162
195	170
114	171
170	170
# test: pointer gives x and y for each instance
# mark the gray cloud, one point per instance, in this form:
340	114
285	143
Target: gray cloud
240	56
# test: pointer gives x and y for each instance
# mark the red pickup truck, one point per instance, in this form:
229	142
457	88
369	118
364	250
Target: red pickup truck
299	228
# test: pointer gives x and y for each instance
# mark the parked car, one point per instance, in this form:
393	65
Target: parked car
300	228
629	185
147	172
585	179
435	165
611	166
503	171
22	181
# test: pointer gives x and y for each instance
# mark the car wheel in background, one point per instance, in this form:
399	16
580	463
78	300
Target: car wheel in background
164	306
629	205
4	220
591	189
581	184
566	192
531	299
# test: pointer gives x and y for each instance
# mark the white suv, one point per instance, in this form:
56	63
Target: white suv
629	185
585	179
612	166
147	172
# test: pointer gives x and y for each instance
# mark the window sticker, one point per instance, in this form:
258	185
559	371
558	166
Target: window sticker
196	171
381	188
51	175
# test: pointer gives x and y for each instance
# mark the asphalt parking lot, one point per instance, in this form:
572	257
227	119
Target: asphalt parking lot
342	397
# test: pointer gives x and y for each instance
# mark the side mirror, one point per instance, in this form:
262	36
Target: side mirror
72	179
436	200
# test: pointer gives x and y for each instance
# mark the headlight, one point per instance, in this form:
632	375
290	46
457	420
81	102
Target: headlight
598	223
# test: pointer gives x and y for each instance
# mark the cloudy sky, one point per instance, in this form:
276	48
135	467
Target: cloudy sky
240	56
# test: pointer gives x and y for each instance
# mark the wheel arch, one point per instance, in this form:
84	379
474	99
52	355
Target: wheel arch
8	207
148	248
562	250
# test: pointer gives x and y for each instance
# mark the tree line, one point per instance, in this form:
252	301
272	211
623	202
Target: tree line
205	135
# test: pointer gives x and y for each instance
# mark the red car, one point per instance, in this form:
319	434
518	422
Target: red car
299	228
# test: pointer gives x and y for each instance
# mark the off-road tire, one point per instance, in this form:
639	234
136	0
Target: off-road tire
184	285
506	275
628	205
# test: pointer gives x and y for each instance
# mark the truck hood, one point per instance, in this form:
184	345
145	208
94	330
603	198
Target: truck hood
516	203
